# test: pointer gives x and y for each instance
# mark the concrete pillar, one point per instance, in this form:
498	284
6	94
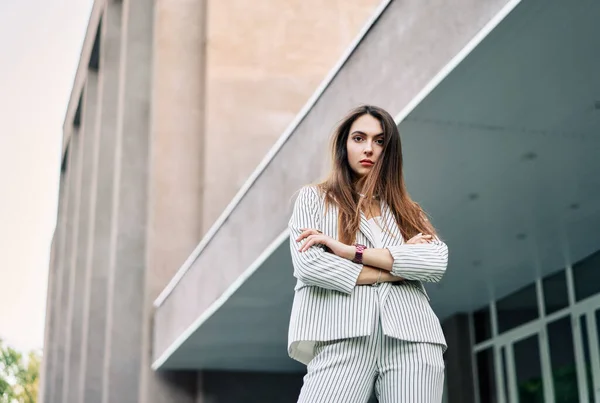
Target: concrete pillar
95	309
48	322
458	358
44	385
69	237
80	253
52	305
176	165
126	281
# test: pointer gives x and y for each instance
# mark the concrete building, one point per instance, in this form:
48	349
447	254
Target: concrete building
192	124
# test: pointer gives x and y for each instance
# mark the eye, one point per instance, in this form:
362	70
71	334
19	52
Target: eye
357	138
379	141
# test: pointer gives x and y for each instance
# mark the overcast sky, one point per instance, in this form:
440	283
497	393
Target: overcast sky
40	42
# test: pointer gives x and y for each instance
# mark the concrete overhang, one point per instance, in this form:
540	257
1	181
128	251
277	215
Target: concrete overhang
499	116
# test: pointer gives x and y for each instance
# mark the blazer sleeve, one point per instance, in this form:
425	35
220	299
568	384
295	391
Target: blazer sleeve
423	262
315	266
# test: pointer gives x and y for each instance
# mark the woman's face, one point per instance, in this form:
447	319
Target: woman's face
365	144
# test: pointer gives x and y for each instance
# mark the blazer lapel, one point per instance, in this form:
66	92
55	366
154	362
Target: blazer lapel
391	236
365	229
391	232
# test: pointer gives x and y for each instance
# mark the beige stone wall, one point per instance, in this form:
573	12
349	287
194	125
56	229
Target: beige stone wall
265	58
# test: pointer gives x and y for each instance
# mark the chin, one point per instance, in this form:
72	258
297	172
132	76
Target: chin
364	171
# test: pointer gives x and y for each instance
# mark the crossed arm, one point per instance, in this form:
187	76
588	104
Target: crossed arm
420	258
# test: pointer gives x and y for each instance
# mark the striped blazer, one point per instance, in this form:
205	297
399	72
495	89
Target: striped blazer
328	305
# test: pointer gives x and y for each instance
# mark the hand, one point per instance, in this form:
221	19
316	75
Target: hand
316	237
419	238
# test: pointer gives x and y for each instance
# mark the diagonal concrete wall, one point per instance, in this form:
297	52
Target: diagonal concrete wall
411	42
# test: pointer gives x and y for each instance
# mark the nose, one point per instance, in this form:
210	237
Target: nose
368	147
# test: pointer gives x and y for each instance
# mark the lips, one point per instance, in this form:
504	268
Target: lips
366	163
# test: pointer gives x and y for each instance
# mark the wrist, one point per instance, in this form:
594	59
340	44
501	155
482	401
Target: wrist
350	252
358	253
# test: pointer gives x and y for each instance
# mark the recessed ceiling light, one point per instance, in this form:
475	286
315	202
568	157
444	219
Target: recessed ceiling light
574	206
521	236
530	156
473	196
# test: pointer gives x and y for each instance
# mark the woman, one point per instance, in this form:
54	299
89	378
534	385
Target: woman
361	319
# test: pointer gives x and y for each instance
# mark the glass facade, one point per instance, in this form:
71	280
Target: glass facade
542	348
518	308
586	277
483	324
562	360
529	379
556	296
487	375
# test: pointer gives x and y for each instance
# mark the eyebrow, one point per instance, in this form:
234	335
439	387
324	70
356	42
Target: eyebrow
365	134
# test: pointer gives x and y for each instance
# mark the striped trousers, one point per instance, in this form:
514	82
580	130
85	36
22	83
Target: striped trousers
348	370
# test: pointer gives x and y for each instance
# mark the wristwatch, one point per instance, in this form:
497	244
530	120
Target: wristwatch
358	256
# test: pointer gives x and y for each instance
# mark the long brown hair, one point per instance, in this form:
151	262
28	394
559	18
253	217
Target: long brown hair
385	180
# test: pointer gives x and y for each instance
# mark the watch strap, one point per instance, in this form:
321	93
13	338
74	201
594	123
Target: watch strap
358	255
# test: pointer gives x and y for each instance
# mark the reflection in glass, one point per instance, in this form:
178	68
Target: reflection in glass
528	370
586	356
562	359
483	324
555	292
518	308
586	276
486	375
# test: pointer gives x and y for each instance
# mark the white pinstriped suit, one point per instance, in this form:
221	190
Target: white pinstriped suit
344	327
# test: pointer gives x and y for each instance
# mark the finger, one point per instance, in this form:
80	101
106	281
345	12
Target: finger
310	241
302	236
305	233
308	245
417	241
420	236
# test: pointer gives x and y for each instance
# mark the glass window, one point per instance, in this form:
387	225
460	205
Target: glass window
518	308
556	296
562	359
482	324
530	386
486	375
586	276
